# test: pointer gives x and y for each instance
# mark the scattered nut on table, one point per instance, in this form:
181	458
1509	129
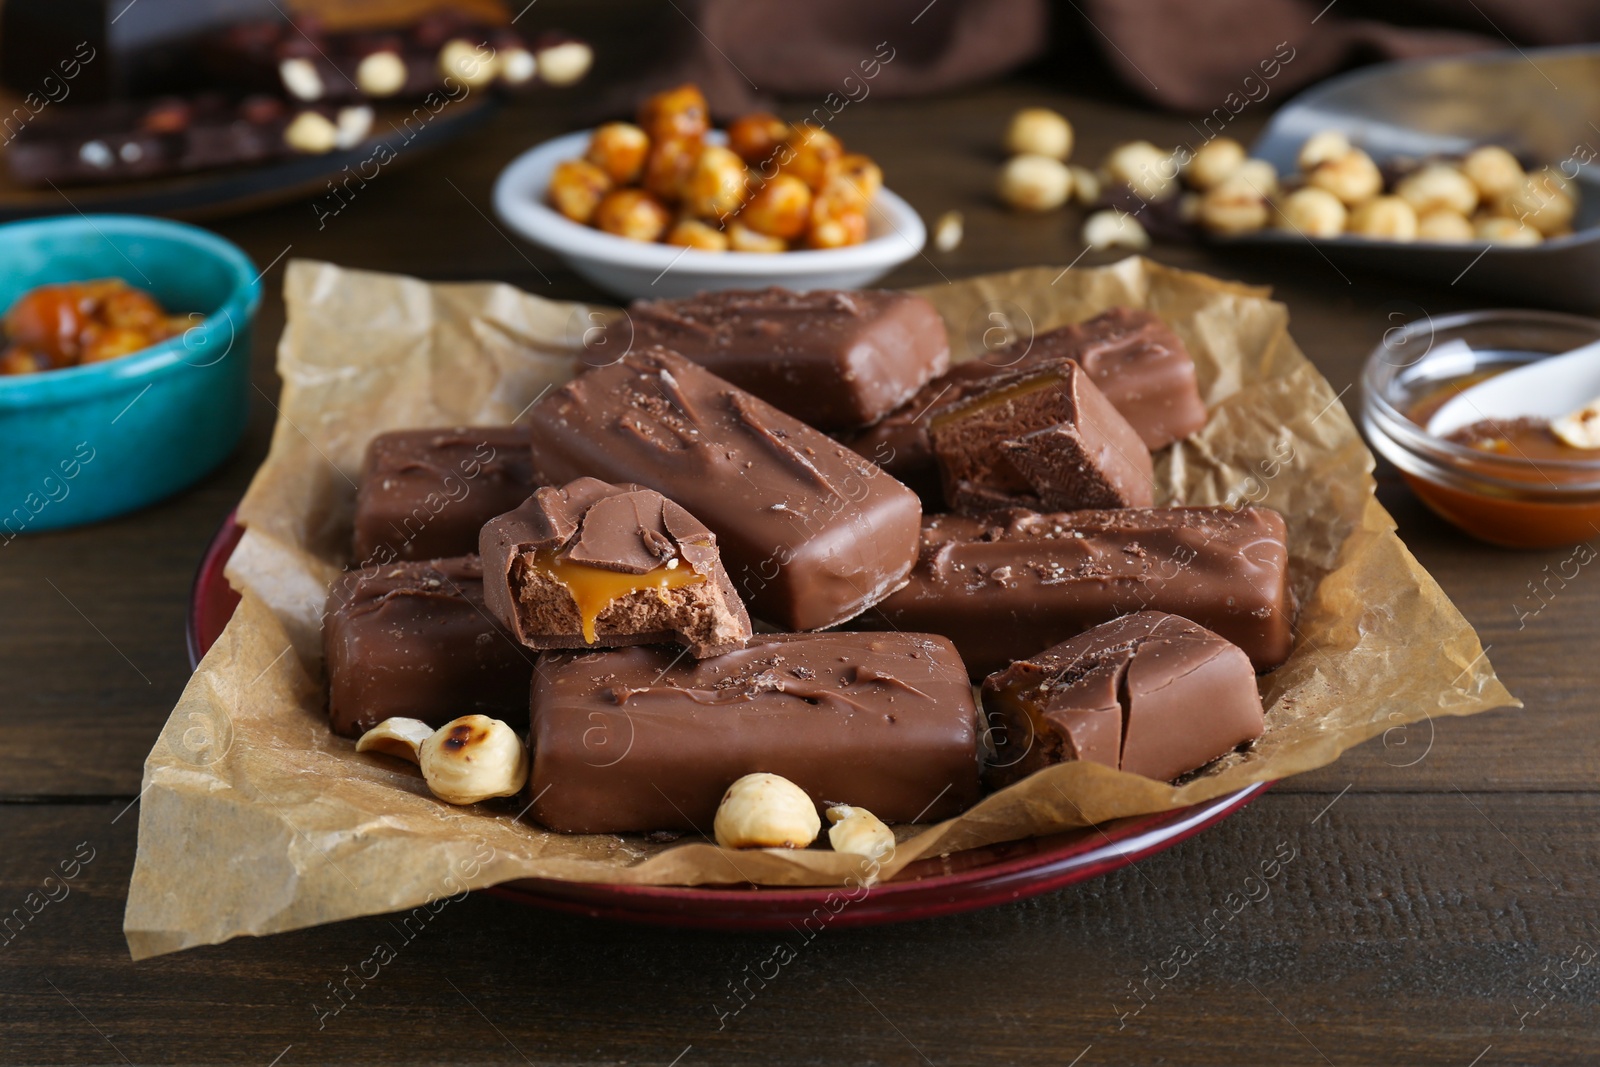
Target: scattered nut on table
766	811
948	231
473	758
1041	132
1035	183
399	737
1114	229
858	831
1086	185
1144	168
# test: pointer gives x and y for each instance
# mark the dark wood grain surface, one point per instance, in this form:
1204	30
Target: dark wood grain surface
1437	905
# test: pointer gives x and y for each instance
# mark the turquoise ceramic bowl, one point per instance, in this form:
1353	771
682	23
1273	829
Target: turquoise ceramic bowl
90	442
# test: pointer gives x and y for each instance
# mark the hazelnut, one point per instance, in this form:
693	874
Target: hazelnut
1035	183
742	238
472	64
399	737
1038	131
861	172
517	66
1499	230
1493	170
1543	200
351	125
1114	229
1258	175
766	811
811	154
381	73
1320	148
1214	163
576	189
1388	218
679	112
1438	186
948	231
1144	168
692	233
1313	212
756	136
718	183
632	213
300	78
473	758
858	831
1443	225
668	166
564	63
1085	186
619	149
837	228
312	133
1580	429
1237	206
780	208
1352	177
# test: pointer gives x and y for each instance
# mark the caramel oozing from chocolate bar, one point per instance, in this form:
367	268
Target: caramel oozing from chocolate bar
594	588
1026	387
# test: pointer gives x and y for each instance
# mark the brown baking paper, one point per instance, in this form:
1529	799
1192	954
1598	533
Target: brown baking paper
256	819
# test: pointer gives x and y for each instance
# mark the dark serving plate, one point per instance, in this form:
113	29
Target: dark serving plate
962	881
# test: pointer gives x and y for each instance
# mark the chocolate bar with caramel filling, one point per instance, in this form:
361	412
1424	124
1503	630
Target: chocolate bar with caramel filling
594	564
1005	586
1148	693
414	639
833	359
811	533
642	738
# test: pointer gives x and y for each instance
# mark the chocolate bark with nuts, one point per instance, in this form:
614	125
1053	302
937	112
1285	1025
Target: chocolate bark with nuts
426	494
598	565
1148	693
642	739
834	359
414	639
1007	585
1044	434
811	533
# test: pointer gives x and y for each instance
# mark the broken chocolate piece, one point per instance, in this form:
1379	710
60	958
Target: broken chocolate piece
643	739
811	533
833	359
425	494
1041	435
415	639
594	564
1148	693
1007	585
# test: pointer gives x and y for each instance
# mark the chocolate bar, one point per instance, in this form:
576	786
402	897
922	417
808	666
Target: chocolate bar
598	564
811	533
426	493
833	359
642	739
1043	434
1008	585
414	639
1148	693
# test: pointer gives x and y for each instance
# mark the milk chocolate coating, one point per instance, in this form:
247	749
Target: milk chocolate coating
637	739
425	494
1137	361
1008	585
811	533
616	528
1042	435
1148	693
415	639
831	358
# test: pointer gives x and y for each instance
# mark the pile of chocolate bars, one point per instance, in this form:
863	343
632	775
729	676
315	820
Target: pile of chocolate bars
770	454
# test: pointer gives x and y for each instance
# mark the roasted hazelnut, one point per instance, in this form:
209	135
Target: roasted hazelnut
1144	168
1214	163
1114	229
473	758
1237	206
1543	200
1442	224
1085	186
718	183
811	154
16	360
632	213
111	342
1313	212
861	172
1320	148
679	112
399	737
312	133
577	187
836	229
693	233
381	73
668	166
858	831
1386	217
742	238
473	64
1581	428
780	208
301	78
766	811
563	63
1257	175
1035	183
1352	177
1038	131
756	136
1499	230
1494	171
1438	186
619	149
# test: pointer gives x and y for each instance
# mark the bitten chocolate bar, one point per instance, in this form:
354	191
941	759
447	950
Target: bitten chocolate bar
425	494
811	533
415	639
1148	693
639	739
594	564
833	359
1008	585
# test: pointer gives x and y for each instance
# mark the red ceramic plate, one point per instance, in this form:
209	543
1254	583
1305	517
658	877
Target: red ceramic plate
963	881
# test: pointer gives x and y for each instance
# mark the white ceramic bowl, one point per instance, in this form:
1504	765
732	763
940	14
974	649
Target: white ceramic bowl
634	269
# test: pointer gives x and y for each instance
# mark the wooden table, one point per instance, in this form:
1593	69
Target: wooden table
1439	907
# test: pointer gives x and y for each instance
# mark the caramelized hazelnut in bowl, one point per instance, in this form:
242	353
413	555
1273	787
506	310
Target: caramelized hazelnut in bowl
669	207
